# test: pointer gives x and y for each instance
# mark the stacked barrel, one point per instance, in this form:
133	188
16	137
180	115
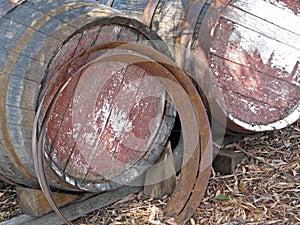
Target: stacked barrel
93	87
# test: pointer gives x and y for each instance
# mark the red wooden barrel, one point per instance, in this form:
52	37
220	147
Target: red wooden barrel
109	121
42	47
251	86
254	60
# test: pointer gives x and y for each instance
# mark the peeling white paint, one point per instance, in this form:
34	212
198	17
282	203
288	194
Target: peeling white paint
271	13
279	55
120	122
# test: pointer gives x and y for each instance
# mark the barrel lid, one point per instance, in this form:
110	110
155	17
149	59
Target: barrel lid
254	57
107	117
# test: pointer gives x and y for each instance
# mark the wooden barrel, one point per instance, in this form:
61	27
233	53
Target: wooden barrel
251	50
45	55
254	57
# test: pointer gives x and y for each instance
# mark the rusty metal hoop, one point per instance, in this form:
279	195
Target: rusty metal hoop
204	149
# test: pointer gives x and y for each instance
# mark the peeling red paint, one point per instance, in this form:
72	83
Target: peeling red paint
256	91
100	140
293	5
104	120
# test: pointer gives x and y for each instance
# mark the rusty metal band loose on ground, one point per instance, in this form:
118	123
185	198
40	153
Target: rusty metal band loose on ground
149	12
191	187
174	74
9	5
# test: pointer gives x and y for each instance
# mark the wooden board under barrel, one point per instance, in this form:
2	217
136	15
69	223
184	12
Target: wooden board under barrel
255	63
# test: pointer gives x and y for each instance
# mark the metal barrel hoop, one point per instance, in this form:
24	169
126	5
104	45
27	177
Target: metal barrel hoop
176	75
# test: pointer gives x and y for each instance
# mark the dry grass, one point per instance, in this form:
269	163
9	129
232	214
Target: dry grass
265	189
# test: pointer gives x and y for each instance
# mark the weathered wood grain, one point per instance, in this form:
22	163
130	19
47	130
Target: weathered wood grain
32	33
76	210
26	41
254	84
160	179
287	5
266	11
7	6
33	202
262	27
258	66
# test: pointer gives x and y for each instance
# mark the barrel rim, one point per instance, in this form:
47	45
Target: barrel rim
118	19
92	186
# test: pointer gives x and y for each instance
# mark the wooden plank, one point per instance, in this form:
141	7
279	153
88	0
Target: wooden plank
21	143
12	172
161	177
22	66
76	210
79	14
10	33
22	93
34	203
227	161
56	6
41	22
261	26
270	13
7	5
235	105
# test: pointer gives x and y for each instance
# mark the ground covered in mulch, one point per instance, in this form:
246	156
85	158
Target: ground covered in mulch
265	189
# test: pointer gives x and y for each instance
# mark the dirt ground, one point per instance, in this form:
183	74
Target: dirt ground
265	189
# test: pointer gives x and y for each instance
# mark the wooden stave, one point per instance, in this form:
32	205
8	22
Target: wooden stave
56	34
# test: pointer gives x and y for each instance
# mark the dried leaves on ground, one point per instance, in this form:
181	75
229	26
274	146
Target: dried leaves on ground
265	189
8	204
